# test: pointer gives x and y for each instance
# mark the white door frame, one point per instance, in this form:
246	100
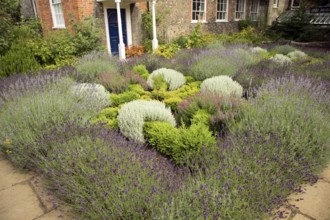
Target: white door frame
111	5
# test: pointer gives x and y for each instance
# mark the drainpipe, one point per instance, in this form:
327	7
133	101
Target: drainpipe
154	40
121	45
34	8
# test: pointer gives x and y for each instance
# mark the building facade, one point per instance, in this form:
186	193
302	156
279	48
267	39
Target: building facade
174	17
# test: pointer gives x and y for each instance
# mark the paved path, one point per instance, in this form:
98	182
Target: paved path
313	203
21	198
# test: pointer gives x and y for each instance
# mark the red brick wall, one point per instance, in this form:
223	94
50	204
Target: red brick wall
71	9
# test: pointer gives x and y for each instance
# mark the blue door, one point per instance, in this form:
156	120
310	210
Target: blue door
113	29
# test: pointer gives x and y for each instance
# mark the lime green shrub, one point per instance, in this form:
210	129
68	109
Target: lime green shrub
132	116
119	99
223	86
181	144
173	78
108	116
141	70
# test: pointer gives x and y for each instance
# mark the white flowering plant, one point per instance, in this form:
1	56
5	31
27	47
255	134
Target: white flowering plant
222	85
173	78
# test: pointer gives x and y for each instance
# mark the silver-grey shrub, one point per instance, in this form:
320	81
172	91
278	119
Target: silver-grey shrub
222	85
96	91
131	117
297	55
281	59
173	78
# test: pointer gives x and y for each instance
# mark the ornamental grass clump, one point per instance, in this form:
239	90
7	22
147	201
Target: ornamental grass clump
223	86
173	78
131	117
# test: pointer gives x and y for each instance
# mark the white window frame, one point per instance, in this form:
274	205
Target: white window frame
275	3
219	2
254	12
198	11
57	13
242	17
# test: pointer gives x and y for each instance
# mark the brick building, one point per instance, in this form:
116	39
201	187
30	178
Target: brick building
177	17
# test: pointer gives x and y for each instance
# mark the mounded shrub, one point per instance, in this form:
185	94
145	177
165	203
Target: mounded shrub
296	55
281	59
132	116
141	70
283	49
108	116
181	144
82	90
223	86
173	78
119	99
92	65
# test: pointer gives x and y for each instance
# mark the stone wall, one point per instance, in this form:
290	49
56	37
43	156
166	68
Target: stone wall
27	10
137	9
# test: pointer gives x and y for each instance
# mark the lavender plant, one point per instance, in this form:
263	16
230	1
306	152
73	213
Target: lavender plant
222	61
101	175
38	106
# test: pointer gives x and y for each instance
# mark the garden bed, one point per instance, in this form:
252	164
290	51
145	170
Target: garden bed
224	132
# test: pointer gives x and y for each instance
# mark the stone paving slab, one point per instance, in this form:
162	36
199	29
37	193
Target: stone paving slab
10	176
19	202
54	215
315	201
300	217
326	174
46	198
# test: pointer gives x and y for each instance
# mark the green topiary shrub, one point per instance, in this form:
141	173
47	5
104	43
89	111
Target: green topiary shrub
181	144
223	86
173	78
132	116
119	99
141	70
